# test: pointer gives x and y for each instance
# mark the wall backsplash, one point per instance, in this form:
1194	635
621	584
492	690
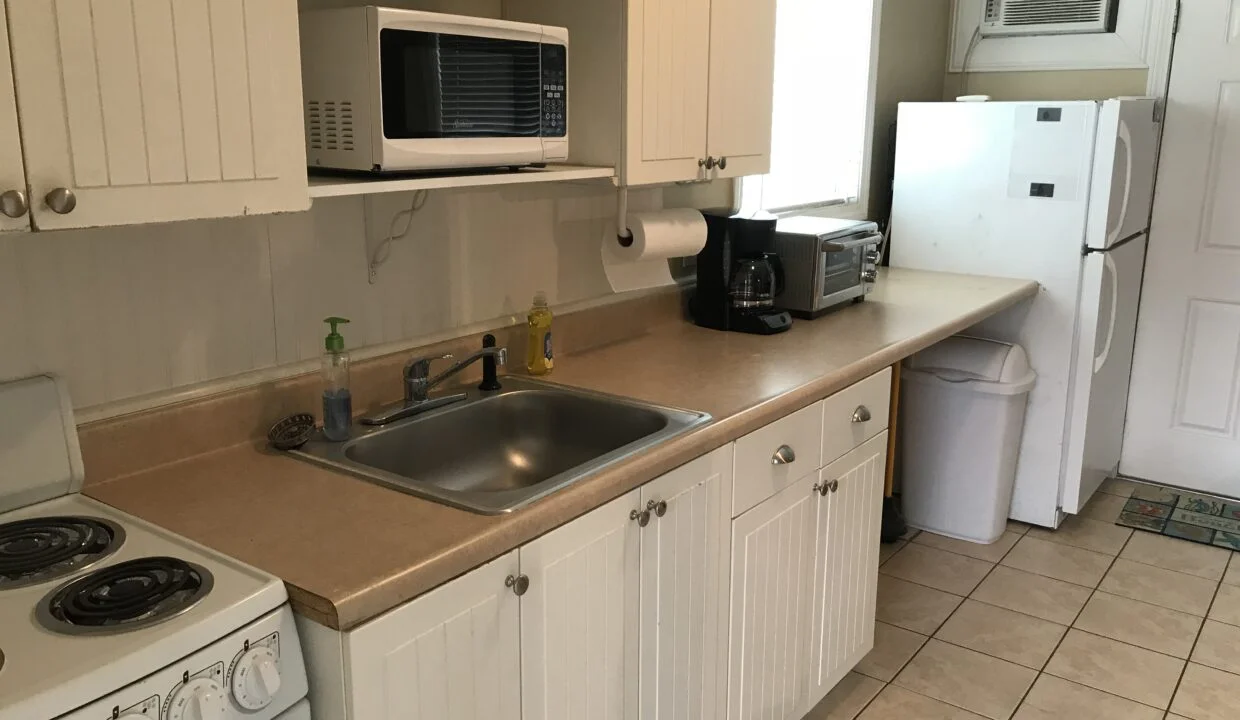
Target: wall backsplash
133	311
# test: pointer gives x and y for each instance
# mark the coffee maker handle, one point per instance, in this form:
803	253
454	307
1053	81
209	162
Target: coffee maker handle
777	266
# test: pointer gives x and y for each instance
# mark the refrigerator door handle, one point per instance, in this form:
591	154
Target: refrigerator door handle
1125	137
1109	264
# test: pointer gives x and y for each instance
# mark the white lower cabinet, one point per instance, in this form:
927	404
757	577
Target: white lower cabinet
579	618
849	520
684	591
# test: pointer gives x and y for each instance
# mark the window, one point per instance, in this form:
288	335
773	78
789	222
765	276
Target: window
823	103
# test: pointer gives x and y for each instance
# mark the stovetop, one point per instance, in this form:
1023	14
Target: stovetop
85	624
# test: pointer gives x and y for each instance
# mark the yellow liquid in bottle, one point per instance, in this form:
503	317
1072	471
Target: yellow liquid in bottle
539	359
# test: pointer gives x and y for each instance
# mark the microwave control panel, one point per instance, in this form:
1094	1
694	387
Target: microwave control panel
554	90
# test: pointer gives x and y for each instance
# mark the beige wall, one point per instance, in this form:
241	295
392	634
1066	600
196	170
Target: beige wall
1060	85
912	52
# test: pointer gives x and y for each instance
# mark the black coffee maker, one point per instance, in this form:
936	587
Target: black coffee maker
739	275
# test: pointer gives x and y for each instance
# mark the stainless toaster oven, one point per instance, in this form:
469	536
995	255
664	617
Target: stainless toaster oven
826	262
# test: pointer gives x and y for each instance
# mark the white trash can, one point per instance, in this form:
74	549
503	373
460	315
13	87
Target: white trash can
962	409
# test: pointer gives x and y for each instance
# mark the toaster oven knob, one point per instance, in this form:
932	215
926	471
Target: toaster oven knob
869	275
871	256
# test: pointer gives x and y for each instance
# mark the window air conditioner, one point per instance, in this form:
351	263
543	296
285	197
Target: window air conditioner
1048	17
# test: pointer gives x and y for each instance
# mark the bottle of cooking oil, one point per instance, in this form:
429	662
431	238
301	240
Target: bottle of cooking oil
538	356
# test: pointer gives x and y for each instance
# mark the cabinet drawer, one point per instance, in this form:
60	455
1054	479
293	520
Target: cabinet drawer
842	425
757	475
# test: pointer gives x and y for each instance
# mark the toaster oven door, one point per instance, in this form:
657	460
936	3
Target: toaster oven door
843	264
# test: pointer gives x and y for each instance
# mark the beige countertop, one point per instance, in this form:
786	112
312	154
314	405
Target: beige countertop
350	550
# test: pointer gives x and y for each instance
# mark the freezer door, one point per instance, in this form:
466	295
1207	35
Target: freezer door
1125	156
1107	328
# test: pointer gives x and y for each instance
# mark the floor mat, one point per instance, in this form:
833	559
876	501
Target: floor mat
1181	514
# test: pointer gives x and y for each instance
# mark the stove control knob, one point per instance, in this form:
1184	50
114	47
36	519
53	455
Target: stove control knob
199	699
256	679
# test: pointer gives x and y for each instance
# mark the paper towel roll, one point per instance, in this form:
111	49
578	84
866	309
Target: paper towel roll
657	236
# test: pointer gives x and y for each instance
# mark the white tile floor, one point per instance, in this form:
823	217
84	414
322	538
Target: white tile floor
1091	621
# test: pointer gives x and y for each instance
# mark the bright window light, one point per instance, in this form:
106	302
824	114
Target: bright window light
822	102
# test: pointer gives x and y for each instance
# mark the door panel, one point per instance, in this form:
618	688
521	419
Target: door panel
665	87
579	618
772	566
452	654
1182	418
684	589
849	521
1110	293
1124	160
742	85
12	172
171	110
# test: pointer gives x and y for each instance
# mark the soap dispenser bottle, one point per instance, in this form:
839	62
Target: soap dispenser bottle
539	356
337	400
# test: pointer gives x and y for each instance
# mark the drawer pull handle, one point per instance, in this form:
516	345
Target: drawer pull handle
827	487
642	517
862	414
519	584
783	456
658	508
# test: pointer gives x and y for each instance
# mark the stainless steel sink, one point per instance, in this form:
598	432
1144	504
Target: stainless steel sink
498	451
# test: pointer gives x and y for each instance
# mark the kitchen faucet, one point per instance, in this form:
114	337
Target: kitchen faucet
418	382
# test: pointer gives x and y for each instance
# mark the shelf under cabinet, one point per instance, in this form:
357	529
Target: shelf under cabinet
324	186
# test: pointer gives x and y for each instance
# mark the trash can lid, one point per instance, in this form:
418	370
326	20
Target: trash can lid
961	358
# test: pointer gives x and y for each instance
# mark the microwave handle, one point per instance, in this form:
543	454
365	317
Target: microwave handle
849	243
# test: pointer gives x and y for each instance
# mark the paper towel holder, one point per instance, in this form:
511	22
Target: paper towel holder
623	234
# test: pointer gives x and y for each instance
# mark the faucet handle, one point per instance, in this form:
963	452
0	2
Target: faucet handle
421	367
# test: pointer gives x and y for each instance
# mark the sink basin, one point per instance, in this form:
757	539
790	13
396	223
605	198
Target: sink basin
495	452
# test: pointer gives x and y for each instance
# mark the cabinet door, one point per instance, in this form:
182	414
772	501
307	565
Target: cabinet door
742	85
579	618
12	173
684	590
849	519
665	90
159	110
452	654
772	569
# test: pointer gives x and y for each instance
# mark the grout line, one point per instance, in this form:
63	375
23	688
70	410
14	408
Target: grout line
1175	691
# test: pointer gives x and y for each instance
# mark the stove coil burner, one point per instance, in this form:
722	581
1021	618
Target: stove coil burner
125	596
42	549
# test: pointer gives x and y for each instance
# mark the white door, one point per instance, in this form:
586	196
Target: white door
665	89
451	654
1123	181
12	173
849	523
158	110
684	590
1183	425
742	85
1106	327
772	587
579	618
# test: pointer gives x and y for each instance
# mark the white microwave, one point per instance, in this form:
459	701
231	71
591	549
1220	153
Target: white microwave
390	90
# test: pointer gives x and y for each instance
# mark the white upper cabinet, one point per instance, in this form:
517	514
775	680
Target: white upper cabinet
579	618
158	110
742	73
13	197
666	90
684	590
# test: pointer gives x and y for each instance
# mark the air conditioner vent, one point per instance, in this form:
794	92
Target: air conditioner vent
1047	17
329	125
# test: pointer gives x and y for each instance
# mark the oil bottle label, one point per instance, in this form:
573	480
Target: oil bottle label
547	348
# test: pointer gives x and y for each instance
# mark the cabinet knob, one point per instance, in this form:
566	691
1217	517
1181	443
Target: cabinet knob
13	203
723	163
61	200
658	508
519	584
827	487
783	456
709	163
861	414
833	485
642	517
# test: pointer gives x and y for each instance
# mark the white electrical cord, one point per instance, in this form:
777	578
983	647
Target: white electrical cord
384	249
968	55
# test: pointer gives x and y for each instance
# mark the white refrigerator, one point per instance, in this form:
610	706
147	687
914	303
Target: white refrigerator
1060	193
